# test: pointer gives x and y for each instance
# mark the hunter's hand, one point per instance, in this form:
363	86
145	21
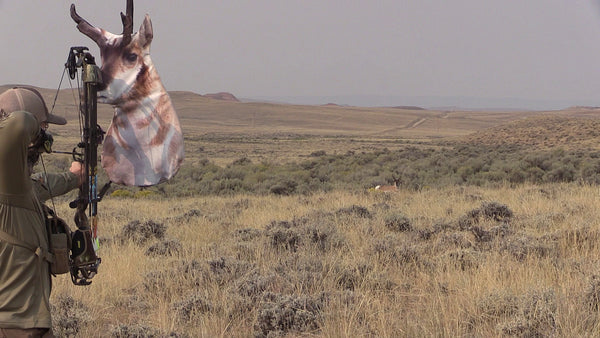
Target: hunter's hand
77	169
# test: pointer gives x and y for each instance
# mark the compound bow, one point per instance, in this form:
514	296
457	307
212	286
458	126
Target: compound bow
84	260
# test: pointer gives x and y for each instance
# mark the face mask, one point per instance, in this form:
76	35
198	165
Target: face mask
43	144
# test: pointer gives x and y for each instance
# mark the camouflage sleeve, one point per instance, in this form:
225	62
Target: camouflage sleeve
52	185
17	130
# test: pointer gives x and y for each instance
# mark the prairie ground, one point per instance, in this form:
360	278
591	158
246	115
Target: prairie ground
458	261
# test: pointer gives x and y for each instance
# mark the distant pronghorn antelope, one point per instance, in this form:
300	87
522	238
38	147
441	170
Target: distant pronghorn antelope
389	187
144	143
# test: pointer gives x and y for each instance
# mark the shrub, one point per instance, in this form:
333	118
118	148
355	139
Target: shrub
68	316
397	222
563	173
488	210
134	331
140	233
168	247
282	315
283	187
590	172
418	167
192	305
324	236
535	316
591	294
144	194
356	210
242	161
496	211
121	193
283	235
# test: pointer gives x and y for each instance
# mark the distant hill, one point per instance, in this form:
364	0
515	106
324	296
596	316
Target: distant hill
223	96
221	113
409	107
565	130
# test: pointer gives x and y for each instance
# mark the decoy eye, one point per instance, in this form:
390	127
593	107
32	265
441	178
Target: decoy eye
131	57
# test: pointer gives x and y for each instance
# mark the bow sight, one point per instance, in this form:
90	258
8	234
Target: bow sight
84	261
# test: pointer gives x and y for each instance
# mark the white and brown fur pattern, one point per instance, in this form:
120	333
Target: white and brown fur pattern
388	188
144	143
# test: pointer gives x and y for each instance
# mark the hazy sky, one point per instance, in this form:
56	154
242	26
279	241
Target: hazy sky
532	49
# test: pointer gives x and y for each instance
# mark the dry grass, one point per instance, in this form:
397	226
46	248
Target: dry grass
511	262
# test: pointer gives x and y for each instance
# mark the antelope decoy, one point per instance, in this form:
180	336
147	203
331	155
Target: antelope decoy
144	143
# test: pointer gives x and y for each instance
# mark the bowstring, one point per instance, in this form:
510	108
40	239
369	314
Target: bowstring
48	185
45	173
58	89
80	115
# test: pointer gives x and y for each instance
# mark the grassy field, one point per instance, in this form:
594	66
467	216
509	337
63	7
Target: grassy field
459	261
493	232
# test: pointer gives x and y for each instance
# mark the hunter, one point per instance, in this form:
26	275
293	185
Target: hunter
25	279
